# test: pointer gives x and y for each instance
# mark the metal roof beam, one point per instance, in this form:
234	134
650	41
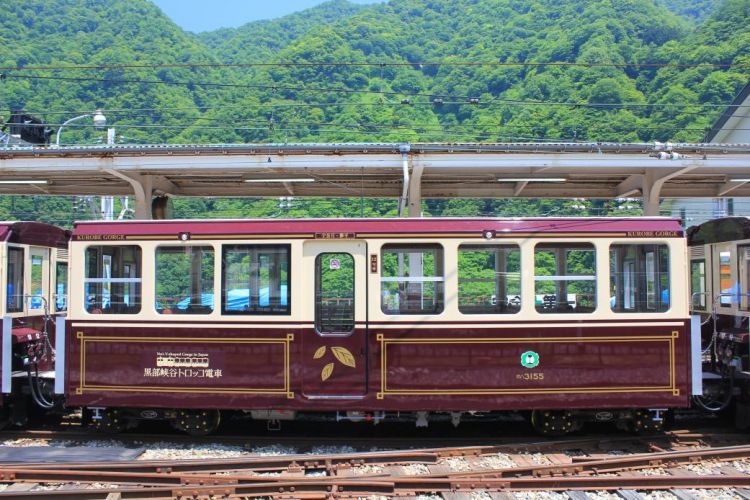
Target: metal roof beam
630	186
728	187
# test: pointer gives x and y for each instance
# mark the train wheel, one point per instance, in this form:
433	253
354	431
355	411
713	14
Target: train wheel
552	422
197	422
110	421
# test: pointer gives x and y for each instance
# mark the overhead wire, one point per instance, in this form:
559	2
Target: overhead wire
455	99
349	64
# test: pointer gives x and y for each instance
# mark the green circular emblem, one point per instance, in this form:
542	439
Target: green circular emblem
529	359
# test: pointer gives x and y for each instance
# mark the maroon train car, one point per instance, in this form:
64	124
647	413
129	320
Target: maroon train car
564	319
33	288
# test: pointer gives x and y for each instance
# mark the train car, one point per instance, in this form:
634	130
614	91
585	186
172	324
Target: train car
33	287
719	253
562	320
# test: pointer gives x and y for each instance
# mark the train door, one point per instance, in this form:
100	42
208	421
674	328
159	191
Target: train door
334	350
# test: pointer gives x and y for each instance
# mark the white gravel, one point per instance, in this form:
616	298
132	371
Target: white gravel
658	495
540	495
480	495
415	469
171	451
704	468
538	458
602	495
457	464
658	471
499	461
365	470
720	494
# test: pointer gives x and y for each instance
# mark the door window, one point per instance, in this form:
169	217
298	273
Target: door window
698	284
334	293
61	282
36	301
725	279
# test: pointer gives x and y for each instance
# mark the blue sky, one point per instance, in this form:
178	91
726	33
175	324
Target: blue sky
207	15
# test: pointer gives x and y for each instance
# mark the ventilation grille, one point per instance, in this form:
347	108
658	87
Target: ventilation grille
697	252
62	254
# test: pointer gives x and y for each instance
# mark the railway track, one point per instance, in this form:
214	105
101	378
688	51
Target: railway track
627	465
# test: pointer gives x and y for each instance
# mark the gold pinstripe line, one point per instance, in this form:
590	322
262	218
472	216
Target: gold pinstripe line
575	390
285	390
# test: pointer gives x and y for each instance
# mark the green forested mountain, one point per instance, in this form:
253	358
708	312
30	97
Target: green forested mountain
693	9
587	72
259	41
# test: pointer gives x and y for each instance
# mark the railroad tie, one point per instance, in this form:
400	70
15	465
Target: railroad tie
19	487
683	494
630	495
577	495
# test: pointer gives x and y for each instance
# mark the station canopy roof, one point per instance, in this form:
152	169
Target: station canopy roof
438	170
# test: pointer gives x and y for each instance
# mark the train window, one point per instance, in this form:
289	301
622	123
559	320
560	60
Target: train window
565	278
334	293
255	279
15	279
411	280
61	282
185	280
36	301
725	279
639	278
698	283
112	283
489	279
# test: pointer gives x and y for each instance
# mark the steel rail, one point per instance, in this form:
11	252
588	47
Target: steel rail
259	464
163	477
617	464
402	486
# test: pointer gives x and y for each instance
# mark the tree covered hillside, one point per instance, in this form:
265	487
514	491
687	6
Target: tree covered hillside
402	71
585	77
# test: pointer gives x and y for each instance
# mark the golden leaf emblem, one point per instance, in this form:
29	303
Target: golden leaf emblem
344	356
327	370
320	352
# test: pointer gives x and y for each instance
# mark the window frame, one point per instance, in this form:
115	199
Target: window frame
317	288
66	292
22	251
704	277
642	257
416	247
588	245
140	280
201	245
222	280
483	247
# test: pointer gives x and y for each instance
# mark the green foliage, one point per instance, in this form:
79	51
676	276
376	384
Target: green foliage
300	103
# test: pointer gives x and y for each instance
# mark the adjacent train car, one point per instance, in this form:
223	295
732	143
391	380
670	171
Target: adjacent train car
720	279
561	319
33	288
